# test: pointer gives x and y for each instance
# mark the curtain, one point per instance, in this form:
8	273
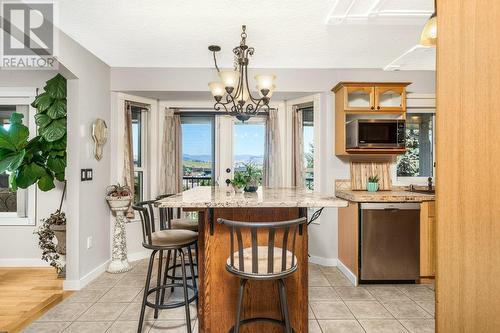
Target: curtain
128	162
297	149
171	159
272	156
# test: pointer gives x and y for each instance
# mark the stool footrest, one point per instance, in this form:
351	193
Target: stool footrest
269	320
173	304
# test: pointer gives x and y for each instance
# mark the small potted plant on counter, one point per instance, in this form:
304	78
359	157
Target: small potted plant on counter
238	181
252	176
372	185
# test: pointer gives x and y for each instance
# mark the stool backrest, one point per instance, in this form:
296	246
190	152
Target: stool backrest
146	212
272	229
167	214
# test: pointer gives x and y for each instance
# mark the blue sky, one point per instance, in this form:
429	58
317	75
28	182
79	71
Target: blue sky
197	139
249	139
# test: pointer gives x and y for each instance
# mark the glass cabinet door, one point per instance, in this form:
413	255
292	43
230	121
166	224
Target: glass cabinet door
390	98
359	98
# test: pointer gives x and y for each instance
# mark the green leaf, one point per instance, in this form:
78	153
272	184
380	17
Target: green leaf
56	86
16	118
19	135
15	162
5	141
57	145
46	182
42	120
55	131
42	102
57	109
56	164
12	181
29	174
5	163
60	176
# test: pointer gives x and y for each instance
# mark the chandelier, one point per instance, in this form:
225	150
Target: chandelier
232	92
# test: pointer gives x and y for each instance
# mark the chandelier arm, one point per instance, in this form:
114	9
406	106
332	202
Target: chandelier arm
239	88
248	86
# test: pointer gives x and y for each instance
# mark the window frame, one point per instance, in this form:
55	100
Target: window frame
143	158
21	97
404	180
308	170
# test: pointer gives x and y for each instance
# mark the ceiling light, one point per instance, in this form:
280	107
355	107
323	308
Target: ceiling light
233	93
429	33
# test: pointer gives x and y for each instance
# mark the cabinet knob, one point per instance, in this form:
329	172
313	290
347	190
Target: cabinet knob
378	107
373	108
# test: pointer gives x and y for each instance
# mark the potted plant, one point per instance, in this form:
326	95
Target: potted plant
252	176
238	181
372	185
118	196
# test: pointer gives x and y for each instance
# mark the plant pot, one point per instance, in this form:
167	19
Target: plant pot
251	189
372	187
238	189
118	203
60	233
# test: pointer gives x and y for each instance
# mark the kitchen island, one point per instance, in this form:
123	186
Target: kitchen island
218	289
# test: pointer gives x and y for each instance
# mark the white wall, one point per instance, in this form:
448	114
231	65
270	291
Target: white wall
323	237
89	98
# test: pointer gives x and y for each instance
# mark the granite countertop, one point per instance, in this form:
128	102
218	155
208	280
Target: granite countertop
396	195
217	197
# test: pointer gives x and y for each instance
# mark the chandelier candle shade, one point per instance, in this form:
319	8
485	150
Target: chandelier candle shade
232	92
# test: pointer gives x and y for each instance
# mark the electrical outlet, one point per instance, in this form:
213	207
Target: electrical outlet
90	242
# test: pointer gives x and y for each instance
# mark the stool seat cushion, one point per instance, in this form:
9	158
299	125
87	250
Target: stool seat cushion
171	237
188	224
262	262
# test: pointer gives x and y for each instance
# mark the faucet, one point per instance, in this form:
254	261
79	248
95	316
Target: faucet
429	183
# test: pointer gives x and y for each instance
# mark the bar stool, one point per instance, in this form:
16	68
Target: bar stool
167	221
263	263
159	241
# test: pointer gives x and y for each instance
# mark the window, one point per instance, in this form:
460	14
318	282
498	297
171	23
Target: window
249	141
12	204
418	161
139	146
198	151
308	136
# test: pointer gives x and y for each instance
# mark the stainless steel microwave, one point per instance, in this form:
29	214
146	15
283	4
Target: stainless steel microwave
375	133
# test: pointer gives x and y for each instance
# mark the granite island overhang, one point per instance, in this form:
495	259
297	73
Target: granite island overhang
218	290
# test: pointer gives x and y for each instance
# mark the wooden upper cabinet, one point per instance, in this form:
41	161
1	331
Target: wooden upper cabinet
388	98
359	98
372	96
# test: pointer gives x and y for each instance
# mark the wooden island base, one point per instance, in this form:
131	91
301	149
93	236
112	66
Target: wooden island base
218	289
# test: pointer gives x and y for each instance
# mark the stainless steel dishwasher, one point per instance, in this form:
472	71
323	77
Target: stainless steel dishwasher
390	241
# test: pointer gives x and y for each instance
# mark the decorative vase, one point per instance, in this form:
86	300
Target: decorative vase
60	233
251	189
237	189
372	187
119	262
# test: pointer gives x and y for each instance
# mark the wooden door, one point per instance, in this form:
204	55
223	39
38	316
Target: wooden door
359	98
390	98
467	161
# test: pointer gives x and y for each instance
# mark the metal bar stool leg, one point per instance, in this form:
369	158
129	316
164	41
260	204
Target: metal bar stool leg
174	265
236	329
193	277
145	297
196	255
288	327
158	282
167	265
184	286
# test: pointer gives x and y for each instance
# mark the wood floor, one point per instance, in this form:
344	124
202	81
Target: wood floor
25	294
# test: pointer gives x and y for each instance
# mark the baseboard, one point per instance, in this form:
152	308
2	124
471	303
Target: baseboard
23	262
348	274
323	261
79	284
139	255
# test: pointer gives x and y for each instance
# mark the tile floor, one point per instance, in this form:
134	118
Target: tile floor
111	303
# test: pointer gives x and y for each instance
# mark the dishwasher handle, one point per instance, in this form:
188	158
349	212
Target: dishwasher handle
390	206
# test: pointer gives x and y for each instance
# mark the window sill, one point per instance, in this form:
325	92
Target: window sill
16	221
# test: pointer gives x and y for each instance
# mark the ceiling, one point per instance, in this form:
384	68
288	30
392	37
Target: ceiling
285	34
